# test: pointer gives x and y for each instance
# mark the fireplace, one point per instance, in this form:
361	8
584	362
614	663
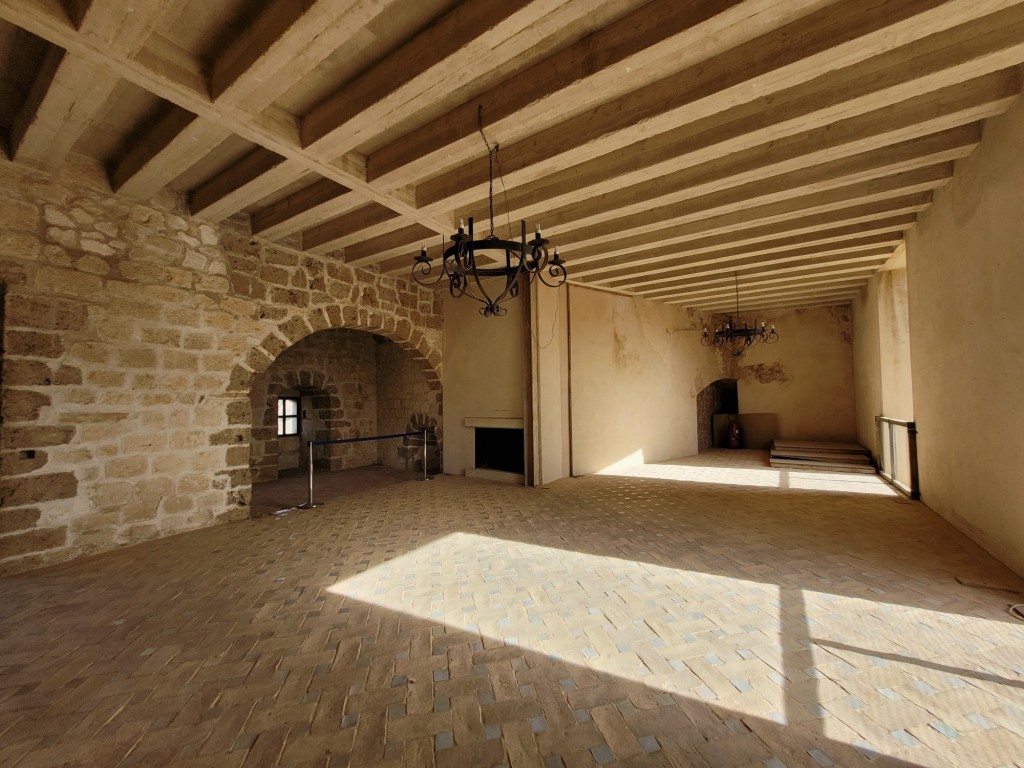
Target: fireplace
498	445
499	449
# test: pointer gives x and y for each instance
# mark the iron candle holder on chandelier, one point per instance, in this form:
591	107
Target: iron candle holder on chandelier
522	257
739	339
465	275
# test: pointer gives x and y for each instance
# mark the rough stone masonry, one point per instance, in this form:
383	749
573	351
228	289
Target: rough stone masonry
131	336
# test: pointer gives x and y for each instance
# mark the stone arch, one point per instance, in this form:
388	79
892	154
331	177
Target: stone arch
422	346
426	351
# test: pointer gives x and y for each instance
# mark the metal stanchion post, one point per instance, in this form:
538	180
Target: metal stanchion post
425	475
310	504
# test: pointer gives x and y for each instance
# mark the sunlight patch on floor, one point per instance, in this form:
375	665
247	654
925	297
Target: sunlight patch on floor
835	481
915	658
785	654
584	609
750	477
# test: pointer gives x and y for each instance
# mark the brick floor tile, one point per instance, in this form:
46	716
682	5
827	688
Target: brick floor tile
619	737
490	753
267	748
461	623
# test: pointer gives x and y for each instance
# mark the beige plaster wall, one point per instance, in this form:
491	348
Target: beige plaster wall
867	365
131	338
965	262
894	344
881	346
549	343
806	378
483	359
637	367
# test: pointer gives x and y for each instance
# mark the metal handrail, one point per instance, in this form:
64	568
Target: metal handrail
911	488
310	504
897	422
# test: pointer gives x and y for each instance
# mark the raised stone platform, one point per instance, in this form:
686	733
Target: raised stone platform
831	457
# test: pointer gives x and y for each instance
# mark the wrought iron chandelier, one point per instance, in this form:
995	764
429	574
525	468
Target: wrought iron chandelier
739	338
459	262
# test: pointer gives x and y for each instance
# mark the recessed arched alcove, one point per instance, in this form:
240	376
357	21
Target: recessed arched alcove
716	398
347	383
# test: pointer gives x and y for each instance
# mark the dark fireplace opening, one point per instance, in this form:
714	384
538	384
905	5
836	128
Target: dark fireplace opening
500	449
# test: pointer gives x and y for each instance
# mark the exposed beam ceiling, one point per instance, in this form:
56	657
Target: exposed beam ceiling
667	148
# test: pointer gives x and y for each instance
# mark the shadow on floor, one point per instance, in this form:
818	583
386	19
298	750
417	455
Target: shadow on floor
606	620
292	487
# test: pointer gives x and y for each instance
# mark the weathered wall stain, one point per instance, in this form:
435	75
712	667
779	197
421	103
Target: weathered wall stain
844	319
763	373
621	354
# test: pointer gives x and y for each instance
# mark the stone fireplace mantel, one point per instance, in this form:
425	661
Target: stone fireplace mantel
492	422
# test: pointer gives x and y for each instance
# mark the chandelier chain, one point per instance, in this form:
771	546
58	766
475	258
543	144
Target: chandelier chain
491	152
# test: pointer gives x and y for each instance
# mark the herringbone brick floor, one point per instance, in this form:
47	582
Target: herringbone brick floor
694	614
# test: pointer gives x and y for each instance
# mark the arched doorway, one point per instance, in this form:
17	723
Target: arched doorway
718	397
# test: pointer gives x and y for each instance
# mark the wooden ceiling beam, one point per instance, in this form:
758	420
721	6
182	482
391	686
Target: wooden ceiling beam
658	38
323	199
398	241
221	196
981	47
808	288
930	114
875	257
729	262
475	37
274	130
742	214
841	299
755	291
869	265
797	300
700	290
833	38
698	236
69	92
934	150
743	210
850	238
283	45
164	151
62	104
366	223
672	257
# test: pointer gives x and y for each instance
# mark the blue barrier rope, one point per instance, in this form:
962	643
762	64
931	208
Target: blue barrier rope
310	504
362	439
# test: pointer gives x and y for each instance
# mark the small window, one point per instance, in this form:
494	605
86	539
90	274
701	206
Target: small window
287	416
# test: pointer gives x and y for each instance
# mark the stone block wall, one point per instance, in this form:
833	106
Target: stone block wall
337	369
131	337
406	403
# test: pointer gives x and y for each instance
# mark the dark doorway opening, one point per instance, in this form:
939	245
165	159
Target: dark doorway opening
500	449
716	398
